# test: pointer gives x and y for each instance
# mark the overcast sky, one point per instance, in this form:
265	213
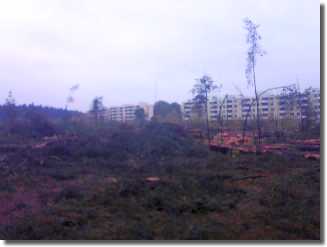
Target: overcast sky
122	49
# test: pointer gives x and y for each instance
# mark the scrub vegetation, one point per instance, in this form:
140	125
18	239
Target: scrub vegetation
149	181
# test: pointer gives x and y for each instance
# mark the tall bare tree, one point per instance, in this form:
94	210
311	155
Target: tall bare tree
254	50
140	116
220	119
70	99
97	109
201	91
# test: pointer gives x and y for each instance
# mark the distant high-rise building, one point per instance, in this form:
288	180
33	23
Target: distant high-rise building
270	107
126	113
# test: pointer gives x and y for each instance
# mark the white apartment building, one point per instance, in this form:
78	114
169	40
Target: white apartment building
314	98
270	107
126	113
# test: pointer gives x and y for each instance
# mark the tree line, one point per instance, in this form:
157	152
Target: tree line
202	91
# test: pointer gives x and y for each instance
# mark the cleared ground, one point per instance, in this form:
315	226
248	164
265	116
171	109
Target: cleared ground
46	193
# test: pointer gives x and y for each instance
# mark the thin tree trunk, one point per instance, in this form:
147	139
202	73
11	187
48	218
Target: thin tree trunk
257	102
96	119
250	107
246	120
301	112
220	120
207	118
244	129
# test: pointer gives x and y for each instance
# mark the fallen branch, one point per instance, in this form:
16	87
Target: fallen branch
248	177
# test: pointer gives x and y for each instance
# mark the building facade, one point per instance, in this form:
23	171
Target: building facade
126	113
270	107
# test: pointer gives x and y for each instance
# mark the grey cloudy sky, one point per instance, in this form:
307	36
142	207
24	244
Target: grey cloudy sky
121	49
